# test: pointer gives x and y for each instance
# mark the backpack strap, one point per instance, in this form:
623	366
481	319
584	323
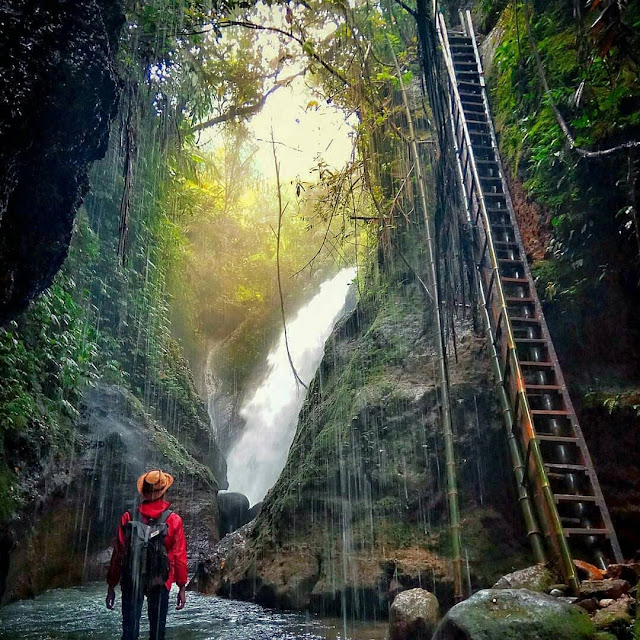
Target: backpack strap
164	516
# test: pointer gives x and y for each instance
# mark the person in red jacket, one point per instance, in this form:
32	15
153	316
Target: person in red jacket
152	486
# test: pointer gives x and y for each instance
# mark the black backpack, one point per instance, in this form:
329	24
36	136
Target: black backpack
146	561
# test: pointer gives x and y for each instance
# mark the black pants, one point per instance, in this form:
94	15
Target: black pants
158	605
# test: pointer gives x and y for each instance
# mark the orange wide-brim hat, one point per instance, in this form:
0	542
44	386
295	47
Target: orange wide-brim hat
154	484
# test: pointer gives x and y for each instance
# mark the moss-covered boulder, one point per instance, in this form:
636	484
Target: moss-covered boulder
536	578
414	615
616	618
515	614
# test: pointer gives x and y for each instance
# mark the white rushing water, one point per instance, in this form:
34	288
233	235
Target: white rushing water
271	413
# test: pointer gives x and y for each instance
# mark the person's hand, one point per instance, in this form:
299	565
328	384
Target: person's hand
182	598
111	598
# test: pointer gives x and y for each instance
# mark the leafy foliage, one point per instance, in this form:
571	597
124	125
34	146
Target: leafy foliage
589	201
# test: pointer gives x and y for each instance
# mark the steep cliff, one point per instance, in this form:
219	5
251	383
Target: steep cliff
359	511
59	89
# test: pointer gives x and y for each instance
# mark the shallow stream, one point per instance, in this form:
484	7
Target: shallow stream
81	613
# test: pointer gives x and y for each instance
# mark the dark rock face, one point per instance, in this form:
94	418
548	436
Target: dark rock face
515	614
67	537
234	511
58	95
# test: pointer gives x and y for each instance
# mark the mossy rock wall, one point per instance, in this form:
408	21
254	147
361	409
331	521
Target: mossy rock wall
361	502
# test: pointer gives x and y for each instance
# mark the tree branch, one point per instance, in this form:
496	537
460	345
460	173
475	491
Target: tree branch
556	112
407	8
298	379
292	36
248	110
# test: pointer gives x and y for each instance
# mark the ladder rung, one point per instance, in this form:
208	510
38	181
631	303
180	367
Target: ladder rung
510	261
558	439
570	497
531	364
543	387
581	531
557	466
522	281
507	243
531	340
521	320
519	300
550	412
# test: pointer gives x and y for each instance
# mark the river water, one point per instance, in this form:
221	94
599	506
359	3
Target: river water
80	613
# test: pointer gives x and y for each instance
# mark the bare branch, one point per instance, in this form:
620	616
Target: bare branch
292	36
281	210
248	110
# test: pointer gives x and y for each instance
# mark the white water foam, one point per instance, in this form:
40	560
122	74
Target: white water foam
271	414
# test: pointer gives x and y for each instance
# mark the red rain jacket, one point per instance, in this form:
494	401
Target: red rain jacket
174	542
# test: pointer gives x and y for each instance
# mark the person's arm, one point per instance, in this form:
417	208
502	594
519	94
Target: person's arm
180	564
115	567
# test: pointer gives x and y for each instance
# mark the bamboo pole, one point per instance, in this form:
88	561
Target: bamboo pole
452	488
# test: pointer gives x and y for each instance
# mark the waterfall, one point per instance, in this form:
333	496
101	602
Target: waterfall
271	413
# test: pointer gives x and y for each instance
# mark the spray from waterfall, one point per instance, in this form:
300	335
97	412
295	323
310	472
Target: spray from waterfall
271	413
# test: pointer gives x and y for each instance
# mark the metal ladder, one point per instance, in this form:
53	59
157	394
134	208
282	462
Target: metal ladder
556	469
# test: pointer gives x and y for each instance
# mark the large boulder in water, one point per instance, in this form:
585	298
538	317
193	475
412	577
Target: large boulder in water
515	614
234	511
414	615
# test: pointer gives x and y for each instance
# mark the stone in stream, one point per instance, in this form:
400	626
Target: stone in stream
616	616
609	588
414	615
234	511
536	578
515	614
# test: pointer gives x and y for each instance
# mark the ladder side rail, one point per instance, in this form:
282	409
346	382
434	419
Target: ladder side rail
529	435
584	450
534	533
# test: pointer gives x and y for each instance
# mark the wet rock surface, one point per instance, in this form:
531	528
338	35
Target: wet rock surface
608	588
615	616
515	614
58	95
536	578
234	511
414	615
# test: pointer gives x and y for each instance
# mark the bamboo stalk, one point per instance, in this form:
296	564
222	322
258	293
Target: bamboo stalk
452	488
